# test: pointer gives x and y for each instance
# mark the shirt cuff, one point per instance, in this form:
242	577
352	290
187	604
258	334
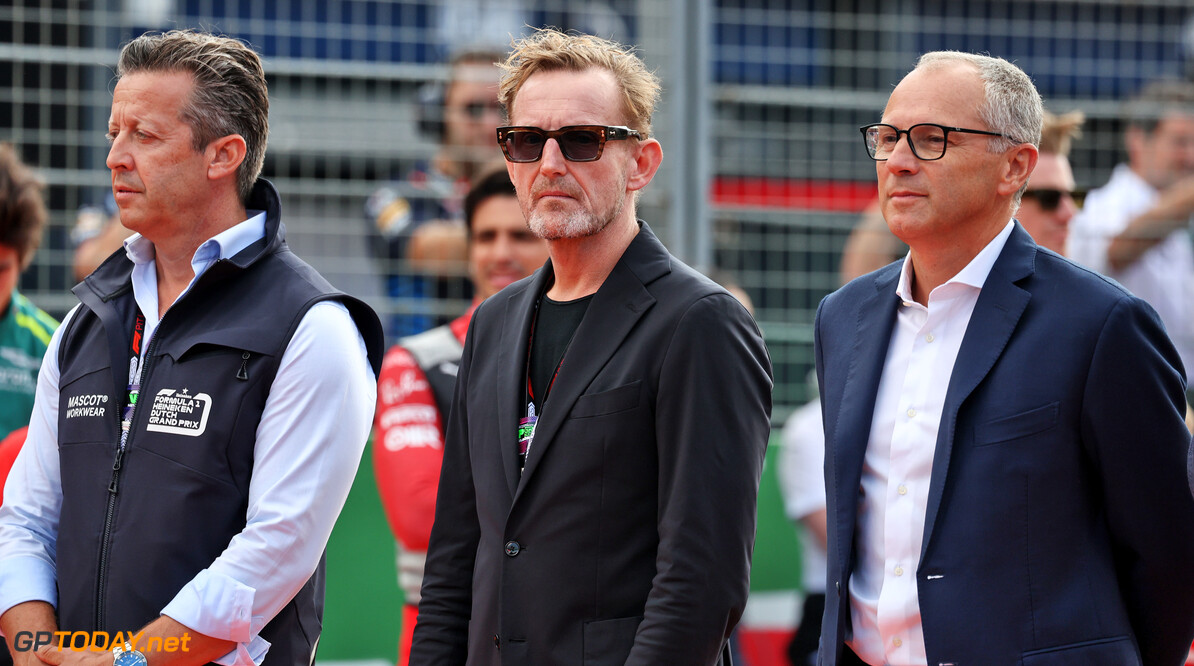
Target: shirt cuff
26	578
222	607
245	654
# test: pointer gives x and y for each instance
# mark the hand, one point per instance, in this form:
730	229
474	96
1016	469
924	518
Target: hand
1177	201
439	248
1172	211
50	654
30	617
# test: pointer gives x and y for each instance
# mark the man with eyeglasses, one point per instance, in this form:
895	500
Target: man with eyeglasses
1136	228
1005	442
597	496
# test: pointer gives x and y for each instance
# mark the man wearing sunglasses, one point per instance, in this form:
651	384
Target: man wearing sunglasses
1136	228
1005	442
1048	204
417	222
597	496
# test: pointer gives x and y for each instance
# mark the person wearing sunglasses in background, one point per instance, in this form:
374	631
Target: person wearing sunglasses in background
418	377
1048	204
1004	432
417	222
1136	228
598	491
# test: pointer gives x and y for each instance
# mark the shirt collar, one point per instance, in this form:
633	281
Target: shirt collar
974	274
223	245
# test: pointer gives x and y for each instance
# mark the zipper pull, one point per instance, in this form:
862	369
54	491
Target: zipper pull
116	465
243	373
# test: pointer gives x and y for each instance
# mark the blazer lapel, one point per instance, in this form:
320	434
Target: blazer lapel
996	314
876	319
512	358
613	312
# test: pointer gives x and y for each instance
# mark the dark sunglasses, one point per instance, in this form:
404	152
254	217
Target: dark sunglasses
476	110
1050	199
578	143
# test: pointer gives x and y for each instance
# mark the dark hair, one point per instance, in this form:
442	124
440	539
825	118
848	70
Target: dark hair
491	183
229	95
22	210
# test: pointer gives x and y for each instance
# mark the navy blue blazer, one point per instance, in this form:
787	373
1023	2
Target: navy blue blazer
1059	526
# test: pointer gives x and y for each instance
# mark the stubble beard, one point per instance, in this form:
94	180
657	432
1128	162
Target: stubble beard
578	223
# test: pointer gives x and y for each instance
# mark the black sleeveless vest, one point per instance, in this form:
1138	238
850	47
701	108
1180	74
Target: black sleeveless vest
134	530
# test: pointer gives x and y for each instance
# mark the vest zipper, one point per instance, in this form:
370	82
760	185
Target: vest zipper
114	486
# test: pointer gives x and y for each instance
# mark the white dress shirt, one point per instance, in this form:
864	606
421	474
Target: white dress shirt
899	460
1163	276
312	432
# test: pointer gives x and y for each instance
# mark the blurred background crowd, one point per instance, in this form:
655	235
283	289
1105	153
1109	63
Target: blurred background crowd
382	111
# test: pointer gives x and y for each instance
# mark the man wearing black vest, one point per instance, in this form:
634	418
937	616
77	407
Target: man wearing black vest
200	415
597	497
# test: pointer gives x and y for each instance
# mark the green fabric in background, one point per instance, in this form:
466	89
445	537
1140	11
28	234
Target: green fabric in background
776	563
363	604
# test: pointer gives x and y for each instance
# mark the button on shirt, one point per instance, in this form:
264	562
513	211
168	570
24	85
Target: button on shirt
899	460
309	442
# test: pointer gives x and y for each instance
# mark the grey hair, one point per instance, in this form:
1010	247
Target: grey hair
229	96
1011	104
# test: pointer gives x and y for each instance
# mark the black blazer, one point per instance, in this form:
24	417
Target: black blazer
628	537
1059	528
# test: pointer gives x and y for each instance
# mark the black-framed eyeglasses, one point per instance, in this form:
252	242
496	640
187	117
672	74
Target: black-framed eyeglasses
927	140
1049	199
578	143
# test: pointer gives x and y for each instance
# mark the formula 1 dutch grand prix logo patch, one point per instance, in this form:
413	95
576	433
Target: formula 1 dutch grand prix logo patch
179	413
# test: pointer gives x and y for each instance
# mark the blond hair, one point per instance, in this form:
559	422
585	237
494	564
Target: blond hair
549	50
1058	131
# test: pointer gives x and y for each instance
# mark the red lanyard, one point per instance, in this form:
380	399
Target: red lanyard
134	385
556	373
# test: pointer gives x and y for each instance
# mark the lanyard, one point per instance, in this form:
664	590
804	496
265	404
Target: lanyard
526	425
134	385
530	345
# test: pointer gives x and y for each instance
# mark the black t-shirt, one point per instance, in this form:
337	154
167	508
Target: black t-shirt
555	324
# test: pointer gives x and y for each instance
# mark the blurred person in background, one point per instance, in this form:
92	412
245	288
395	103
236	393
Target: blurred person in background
25	329
1136	228
801	470
418	377
417	221
1048	204
870	246
97	233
